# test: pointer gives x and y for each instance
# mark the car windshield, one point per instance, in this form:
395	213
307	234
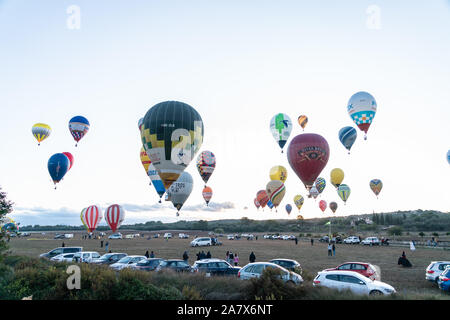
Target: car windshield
124	260
105	257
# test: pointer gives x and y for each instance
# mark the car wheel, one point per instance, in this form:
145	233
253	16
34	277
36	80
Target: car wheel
376	293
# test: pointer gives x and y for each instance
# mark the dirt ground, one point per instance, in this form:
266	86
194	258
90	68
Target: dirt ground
312	258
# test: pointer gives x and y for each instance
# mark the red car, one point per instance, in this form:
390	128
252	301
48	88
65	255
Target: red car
366	269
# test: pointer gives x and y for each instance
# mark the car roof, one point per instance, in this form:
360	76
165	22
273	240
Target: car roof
209	260
356	262
282	259
349	273
266	263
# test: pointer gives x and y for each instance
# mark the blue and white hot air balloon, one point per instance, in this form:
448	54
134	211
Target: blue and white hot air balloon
347	136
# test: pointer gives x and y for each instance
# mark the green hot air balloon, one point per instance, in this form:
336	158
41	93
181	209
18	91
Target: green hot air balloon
344	192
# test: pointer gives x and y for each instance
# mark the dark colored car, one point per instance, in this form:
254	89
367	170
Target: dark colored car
109	258
175	265
148	265
288	264
215	267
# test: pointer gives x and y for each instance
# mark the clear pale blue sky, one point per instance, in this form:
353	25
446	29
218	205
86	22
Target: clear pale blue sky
238	63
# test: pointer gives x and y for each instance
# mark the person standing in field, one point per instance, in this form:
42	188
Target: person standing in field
146	254
252	257
330	248
106	246
152	254
236	259
231	258
185	257
312	241
334	249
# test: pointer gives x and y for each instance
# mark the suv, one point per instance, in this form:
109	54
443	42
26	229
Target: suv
175	265
198	242
351	240
109	258
149	264
215	267
366	269
255	270
85	256
371	241
60	250
434	270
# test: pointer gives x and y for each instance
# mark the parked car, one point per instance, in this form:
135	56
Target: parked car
324	239
366	269
289	264
444	279
149	264
156	235
267	236
127	262
116	236
175	265
199	242
215	267
109	258
353	281
255	270
167	235
64	257
371	241
25	234
434	270
59	236
183	236
336	239
61	250
85	256
230	237
351	240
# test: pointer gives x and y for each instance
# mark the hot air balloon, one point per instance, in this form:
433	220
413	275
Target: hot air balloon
140	123
207	194
145	160
92	217
58	164
262	198
323	205
281	127
344	192
298	201
114	216
278	173
156	181
82	218
180	190
336	177
347	136
376	185
71	159
308	154
206	162
9	225
320	184
299	217
41	131
288	208
256	202
333	206
302	121
270	204
448	156
275	190
313	192
362	108
78	127
172	134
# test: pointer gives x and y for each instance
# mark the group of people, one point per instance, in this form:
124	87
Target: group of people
331	249
151	255
232	258
202	255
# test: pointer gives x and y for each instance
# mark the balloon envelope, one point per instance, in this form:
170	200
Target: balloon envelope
281	127
145	160
278	173
333	206
71	159
336	177
448	156
313	192
257	204
58	164
78	127
180	190
207	194
320	184
156	180
376	185
114	216
92	217
172	134
308	154
206	163
82	218
262	197
298	201
362	108
323	205
343	192
275	190
41	131
302	121
288	208
347	136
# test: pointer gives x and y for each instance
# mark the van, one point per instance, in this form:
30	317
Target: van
167	235
199	242
85	256
59	251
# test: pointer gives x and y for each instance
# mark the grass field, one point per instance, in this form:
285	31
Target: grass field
312	258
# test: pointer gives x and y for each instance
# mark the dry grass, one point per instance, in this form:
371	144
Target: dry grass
312	258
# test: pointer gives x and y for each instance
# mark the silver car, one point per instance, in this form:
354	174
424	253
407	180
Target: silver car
255	270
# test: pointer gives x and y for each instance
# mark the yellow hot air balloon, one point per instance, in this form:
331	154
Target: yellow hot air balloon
302	121
278	173
298	201
336	177
41	131
82	219
275	190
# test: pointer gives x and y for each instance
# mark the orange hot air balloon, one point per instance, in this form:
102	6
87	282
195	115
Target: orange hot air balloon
262	197
302	121
207	194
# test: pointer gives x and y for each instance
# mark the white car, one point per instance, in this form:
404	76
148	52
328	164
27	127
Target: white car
183	236
255	270
116	236
353	281
199	242
85	256
435	269
371	241
351	240
65	257
267	236
127	262
167	235
230	237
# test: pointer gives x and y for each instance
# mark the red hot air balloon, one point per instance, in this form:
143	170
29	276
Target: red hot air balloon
257	204
323	205
308	154
70	157
114	216
207	194
92	217
262	197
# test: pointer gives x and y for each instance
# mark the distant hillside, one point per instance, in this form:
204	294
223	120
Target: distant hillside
418	220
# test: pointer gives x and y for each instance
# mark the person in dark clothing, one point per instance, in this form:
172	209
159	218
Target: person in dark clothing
152	254
334	249
198	256
101	244
296	240
312	241
231	258
252	257
256	237
403	261
208	255
185	256
146	254
63	245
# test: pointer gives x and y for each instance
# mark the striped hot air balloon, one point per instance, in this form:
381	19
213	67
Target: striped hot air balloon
207	194
41	131
92	217
302	121
114	216
275	190
78	127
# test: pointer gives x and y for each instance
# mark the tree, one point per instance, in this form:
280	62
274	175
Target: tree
6	207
